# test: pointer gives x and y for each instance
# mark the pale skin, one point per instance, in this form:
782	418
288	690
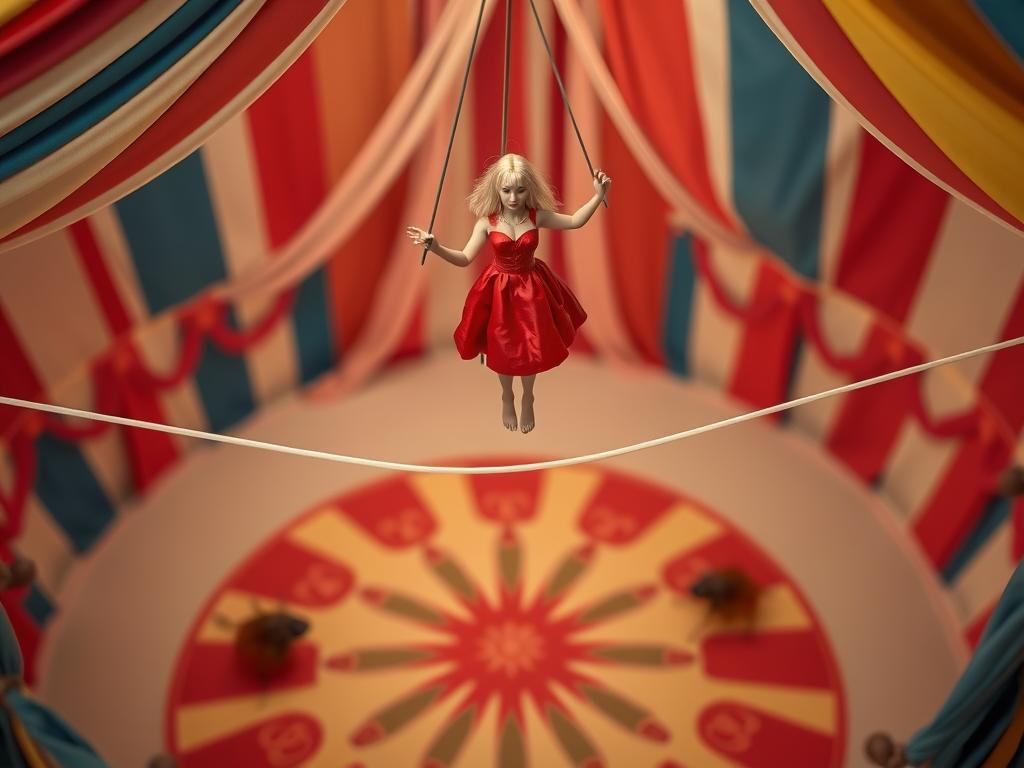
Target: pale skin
513	221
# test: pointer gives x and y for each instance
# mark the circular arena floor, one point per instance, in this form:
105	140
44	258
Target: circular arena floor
522	619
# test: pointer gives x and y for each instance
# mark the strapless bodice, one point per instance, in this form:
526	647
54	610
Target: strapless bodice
514	255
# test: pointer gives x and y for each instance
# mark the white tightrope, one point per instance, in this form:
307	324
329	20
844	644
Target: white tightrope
336	457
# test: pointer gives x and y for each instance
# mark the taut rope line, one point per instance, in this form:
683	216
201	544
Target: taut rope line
590	457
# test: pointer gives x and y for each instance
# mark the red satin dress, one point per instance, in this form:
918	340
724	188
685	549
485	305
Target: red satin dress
518	312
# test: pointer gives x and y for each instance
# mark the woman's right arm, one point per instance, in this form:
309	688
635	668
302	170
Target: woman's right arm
461	258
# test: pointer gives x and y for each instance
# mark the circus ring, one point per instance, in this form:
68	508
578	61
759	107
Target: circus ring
525	619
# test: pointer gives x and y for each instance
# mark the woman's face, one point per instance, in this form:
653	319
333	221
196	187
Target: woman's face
513	195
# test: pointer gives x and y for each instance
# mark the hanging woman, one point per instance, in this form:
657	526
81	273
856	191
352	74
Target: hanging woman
518	313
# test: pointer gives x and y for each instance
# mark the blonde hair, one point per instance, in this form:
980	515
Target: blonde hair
510	169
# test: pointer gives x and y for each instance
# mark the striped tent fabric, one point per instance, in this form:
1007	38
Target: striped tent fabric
129	326
97	98
758	239
898	256
941	85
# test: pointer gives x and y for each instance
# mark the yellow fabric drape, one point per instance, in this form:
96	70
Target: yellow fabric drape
11	8
954	78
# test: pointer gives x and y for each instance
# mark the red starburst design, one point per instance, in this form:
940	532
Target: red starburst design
499	661
513	651
511	648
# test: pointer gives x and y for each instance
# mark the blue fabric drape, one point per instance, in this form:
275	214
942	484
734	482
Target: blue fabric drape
113	86
52	735
982	703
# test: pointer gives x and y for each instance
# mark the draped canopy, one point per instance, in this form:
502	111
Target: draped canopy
201	209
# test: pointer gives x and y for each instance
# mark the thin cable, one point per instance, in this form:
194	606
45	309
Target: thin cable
590	457
455	125
504	89
565	96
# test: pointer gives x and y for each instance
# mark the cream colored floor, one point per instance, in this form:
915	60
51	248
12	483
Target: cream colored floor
891	630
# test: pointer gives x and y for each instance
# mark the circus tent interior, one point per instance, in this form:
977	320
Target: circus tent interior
203	207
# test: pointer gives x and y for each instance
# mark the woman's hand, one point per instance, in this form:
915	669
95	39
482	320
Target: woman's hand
601	183
419	236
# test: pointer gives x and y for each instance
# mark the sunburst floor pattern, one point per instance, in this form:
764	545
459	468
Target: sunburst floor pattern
537	619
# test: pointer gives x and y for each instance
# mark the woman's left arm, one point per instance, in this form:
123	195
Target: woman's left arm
552	220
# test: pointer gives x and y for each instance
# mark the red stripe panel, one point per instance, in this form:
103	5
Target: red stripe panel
149	452
558	146
373	37
518	136
487	74
952	510
32	59
650	56
286	741
869	420
791	659
831	51
761	373
103	287
356	268
23	462
287	136
285	124
554	245
556	143
1003	382
269	33
558	152
486	77
17	375
555	256
754	738
216	672
886	247
639	254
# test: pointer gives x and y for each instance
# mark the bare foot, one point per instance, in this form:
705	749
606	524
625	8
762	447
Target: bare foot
528	418
508	413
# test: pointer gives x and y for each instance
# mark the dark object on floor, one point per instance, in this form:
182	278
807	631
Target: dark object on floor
264	642
731	595
882	750
981	724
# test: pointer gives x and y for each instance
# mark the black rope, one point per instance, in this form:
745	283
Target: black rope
561	88
504	90
455	125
